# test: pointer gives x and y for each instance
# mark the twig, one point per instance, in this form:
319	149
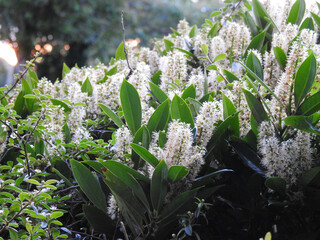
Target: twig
21	75
230	14
16	215
124	46
124	231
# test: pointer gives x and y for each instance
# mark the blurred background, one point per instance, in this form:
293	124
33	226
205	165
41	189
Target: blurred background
85	32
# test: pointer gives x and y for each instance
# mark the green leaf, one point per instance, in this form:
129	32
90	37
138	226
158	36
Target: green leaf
280	56
304	79
251	24
229	76
214	30
157	93
177	173
160	117
176	206
316	18
219	57
193	31
13	234
162	139
159	184
131	106
142	137
98	219
30	96
119	170
310	105
88	184
120	54
277	184
256	107
304	123
33	181
57	102
189	92
256	42
156	78
249	156
65	70
181	111
216	13
168	45
67	134
145	154
260	13
114	117
55	215
255	65
129	177
212	67
87	87
228	110
297	12
131	209
203	180
311	177
307	24
205	49
27	89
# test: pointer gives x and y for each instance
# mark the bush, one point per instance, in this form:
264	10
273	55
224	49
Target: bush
218	123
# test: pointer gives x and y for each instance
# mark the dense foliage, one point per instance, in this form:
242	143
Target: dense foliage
212	134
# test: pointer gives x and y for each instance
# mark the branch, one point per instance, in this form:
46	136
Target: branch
21	75
230	14
124	46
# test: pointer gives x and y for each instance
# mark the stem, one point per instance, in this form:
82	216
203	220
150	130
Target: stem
124	46
21	75
16	215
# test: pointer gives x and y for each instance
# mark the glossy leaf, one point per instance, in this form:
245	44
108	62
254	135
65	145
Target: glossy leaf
307	24
193	31
304	123
249	157
156	78
214	30
316	18
168	45
304	79
120	54
157	93
260	13
228	110
257	42
297	12
310	105
121	171
114	117
160	117
311	177
251	24
256	107
131	106
159	185
145	154
280	56
98	219
277	184
65	70
87	87
63	104
89	184
255	65
189	92
205	49
219	57
177	173
142	137
181	111
229	76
